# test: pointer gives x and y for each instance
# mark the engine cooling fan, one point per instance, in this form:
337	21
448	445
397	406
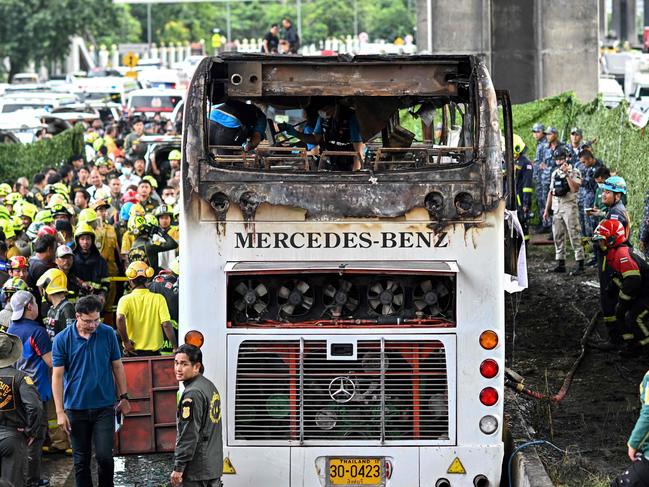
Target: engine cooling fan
253	298
340	297
385	297
295	298
431	298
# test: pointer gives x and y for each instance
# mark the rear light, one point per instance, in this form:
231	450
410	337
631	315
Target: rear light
488	396
489	368
488	424
488	340
195	338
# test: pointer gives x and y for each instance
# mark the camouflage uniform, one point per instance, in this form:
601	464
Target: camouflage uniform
546	174
541	197
586	196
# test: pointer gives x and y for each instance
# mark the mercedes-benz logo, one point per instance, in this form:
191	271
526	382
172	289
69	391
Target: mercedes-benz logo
342	389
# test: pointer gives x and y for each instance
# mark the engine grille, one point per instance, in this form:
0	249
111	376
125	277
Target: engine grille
289	390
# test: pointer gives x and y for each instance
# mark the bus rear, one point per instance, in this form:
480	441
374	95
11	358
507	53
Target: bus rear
353	321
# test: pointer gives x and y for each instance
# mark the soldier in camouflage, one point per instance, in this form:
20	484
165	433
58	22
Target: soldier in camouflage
538	131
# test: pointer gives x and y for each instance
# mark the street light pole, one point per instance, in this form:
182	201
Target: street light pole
148	24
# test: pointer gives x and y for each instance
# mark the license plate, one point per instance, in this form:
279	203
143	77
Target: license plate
356	471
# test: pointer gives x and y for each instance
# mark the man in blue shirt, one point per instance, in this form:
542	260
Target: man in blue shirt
87	363
235	123
35	361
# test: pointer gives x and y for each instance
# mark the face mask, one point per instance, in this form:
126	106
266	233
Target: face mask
170	200
118	166
127	171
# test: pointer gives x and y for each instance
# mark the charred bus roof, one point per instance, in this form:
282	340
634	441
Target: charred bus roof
456	179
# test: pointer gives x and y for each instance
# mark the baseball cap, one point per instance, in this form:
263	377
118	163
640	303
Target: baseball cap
18	303
552	130
538	127
63	250
576	131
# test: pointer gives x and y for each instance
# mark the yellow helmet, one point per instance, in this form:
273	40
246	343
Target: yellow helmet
4	213
8	228
174	155
139	269
54	281
87	215
91	137
13	198
175	266
151	180
18	224
518	145
84	229
56	199
5	189
27	209
135	224
136	209
97	144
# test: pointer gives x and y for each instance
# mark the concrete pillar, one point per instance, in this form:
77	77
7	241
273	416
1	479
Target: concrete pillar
458	26
567	47
514	56
603	19
624	12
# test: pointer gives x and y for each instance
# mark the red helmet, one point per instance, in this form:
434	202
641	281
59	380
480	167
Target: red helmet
611	232
130	196
46	230
19	262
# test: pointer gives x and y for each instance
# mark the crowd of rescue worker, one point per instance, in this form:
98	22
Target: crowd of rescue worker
89	273
581	201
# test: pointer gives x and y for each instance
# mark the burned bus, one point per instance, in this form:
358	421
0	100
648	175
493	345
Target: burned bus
353	321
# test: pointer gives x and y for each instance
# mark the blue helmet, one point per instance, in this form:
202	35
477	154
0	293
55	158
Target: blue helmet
615	184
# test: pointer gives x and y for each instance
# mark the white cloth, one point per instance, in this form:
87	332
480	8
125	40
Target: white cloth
514	284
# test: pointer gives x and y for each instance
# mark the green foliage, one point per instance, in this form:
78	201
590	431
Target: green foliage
622	147
174	32
18	160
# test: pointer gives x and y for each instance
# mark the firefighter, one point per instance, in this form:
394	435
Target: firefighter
199	434
613	190
562	203
629	285
54	286
21	411
523	173
150	241
336	130
637	446
167	284
165	215
89	265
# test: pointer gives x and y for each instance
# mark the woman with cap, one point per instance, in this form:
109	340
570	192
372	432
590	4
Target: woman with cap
21	411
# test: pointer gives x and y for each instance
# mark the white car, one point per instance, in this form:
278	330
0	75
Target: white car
612	93
13	102
152	101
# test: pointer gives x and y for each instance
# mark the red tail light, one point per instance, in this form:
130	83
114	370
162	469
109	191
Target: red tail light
488	396
489	368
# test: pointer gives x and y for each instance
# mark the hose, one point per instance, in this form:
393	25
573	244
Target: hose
525	445
515	381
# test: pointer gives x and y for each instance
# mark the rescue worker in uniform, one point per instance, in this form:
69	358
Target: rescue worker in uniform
643	236
523	173
538	132
562	202
198	455
149	242
89	265
630	280
613	190
336	130
587	166
21	411
637	445
167	284
236	123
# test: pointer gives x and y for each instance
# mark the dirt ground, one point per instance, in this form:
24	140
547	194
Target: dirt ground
592	423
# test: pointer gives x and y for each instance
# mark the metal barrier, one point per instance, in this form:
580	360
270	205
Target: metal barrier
150	427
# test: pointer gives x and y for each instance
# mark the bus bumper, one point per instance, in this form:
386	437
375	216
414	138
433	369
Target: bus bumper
409	466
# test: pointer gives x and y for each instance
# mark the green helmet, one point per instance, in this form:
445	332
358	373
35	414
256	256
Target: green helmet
151	220
87	215
13	285
5	189
4	213
135	224
163	210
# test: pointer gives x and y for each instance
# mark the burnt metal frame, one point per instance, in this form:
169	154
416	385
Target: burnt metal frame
333	195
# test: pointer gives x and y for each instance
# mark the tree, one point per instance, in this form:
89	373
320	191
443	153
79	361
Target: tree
174	32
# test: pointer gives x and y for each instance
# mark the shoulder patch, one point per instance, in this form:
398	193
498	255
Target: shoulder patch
215	408
186	409
29	380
